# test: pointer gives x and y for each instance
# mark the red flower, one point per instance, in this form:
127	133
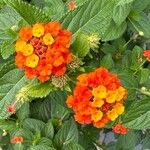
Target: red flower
17	140
11	109
120	129
72	5
147	54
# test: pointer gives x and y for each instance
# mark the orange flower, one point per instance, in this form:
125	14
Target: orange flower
95	100
17	140
44	52
120	129
53	28
147	54
25	33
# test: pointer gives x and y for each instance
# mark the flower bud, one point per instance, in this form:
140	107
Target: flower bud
94	41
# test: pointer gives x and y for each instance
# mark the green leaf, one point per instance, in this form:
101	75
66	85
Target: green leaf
41	147
58	106
33	124
122	10
73	146
128	141
40	90
10	84
28	12
48	130
7	125
81	45
143	24
114	31
68	133
138	6
94	16
45	141
136	57
107	61
137	116
144	75
23	112
146	142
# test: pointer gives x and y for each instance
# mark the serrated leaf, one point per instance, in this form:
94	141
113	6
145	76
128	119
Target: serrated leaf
33	125
10	84
122	10
40	90
80	46
58	107
137	116
107	61
138	6
143	24
144	75
68	133
7	125
41	147
28	12
94	16
48	130
73	146
131	138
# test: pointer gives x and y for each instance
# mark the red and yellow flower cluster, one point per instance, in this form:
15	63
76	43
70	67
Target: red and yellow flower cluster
120	129
147	54
97	98
43	50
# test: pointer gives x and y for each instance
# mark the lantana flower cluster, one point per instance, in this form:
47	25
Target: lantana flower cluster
97	98
43	50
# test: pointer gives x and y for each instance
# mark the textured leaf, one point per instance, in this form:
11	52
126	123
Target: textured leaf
144	75
58	107
7	125
48	130
81	45
107	61
137	116
122	10
128	141
143	24
10	83
94	16
40	90
41	147
28	12
138	6
68	133
73	146
33	124
146	142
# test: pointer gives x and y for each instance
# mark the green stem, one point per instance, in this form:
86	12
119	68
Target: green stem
139	67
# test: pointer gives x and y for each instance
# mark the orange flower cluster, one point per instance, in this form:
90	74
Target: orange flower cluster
17	140
120	129
43	50
97	98
147	54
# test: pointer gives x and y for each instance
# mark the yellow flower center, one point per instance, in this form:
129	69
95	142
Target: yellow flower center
38	30
32	61
48	39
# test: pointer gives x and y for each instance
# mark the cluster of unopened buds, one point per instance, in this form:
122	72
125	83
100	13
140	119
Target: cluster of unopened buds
43	50
120	129
97	98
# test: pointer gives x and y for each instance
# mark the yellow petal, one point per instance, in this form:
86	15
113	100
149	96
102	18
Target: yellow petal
28	50
97	115
38	30
32	61
20	45
48	39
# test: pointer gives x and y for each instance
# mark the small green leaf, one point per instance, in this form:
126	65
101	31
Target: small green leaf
107	61
144	75
137	116
48	130
81	45
41	147
68	133
40	90
7	125
73	146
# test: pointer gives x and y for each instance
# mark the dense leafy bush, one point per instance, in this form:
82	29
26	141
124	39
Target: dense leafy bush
35	95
